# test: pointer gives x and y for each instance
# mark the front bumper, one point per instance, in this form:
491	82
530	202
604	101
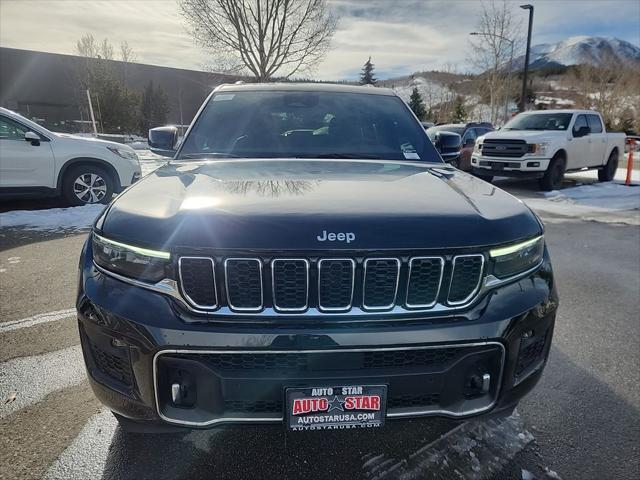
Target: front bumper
524	167
136	346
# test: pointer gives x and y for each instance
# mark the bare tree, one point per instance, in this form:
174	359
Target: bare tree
266	37
126	52
491	50
87	46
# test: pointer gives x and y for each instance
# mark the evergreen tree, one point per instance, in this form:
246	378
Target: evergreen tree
367	77
459	111
154	107
417	105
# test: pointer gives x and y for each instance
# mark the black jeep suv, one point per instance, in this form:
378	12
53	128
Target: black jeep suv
306	257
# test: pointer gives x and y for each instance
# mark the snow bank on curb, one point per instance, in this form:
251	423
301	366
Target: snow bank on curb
52	219
601	202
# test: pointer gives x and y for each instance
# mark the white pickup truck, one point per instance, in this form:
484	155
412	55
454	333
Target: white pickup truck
545	144
35	162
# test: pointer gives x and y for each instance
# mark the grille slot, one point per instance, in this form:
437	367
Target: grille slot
466	275
198	281
408	401
335	283
290	283
306	362
425	277
243	280
381	277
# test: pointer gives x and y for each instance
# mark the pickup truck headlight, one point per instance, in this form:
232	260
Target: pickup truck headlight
517	258
124	153
537	148
130	261
478	147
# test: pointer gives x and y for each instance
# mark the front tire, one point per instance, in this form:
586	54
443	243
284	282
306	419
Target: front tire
552	179
86	185
608	172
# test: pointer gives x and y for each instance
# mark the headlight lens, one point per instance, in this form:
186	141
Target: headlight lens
520	257
478	147
130	261
537	148
124	153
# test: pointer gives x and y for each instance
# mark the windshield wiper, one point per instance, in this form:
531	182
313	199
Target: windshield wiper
209	154
354	156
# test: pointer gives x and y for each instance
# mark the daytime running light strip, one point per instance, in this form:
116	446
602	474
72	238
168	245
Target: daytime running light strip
142	251
498	252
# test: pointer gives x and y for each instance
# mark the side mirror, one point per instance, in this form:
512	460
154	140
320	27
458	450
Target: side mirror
581	132
163	140
32	137
447	142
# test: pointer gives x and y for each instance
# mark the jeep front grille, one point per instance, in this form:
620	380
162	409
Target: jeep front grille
329	285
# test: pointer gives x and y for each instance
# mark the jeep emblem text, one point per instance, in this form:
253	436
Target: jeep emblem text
340	237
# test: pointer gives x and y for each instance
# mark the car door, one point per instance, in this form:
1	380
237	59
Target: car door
597	141
578	154
24	163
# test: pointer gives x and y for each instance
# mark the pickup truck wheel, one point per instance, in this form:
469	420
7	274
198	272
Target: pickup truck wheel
552	179
606	173
87	184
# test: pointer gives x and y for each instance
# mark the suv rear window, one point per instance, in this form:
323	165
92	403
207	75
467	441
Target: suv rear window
295	124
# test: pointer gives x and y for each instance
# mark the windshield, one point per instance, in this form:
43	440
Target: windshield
296	124
540	121
431	132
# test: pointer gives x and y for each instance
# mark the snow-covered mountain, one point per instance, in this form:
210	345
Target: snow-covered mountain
582	50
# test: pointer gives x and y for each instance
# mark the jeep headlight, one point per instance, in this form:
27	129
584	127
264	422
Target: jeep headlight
517	258
130	261
537	148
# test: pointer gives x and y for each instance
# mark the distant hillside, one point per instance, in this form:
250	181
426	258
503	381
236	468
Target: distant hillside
582	50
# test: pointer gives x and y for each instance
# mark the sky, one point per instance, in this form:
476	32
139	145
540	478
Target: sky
401	36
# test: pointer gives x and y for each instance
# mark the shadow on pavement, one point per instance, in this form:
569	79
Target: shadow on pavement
583	428
265	451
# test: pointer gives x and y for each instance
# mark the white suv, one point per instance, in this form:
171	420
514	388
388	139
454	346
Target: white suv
35	162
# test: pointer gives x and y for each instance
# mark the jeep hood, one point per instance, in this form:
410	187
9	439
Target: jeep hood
287	203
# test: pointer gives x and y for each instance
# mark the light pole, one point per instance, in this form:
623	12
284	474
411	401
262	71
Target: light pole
511	42
526	58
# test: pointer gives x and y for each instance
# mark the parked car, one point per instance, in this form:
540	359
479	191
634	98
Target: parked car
338	277
546	144
35	162
426	125
469	132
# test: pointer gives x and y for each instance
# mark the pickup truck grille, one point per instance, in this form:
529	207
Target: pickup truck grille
504	148
329	285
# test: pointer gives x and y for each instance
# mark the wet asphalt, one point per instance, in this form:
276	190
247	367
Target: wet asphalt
582	421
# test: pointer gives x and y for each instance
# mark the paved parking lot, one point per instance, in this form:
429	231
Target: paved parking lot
581	422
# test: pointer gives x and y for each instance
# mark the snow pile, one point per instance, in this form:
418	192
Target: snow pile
71	219
149	161
604	202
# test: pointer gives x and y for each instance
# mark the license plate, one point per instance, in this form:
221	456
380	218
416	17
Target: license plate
332	408
497	166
